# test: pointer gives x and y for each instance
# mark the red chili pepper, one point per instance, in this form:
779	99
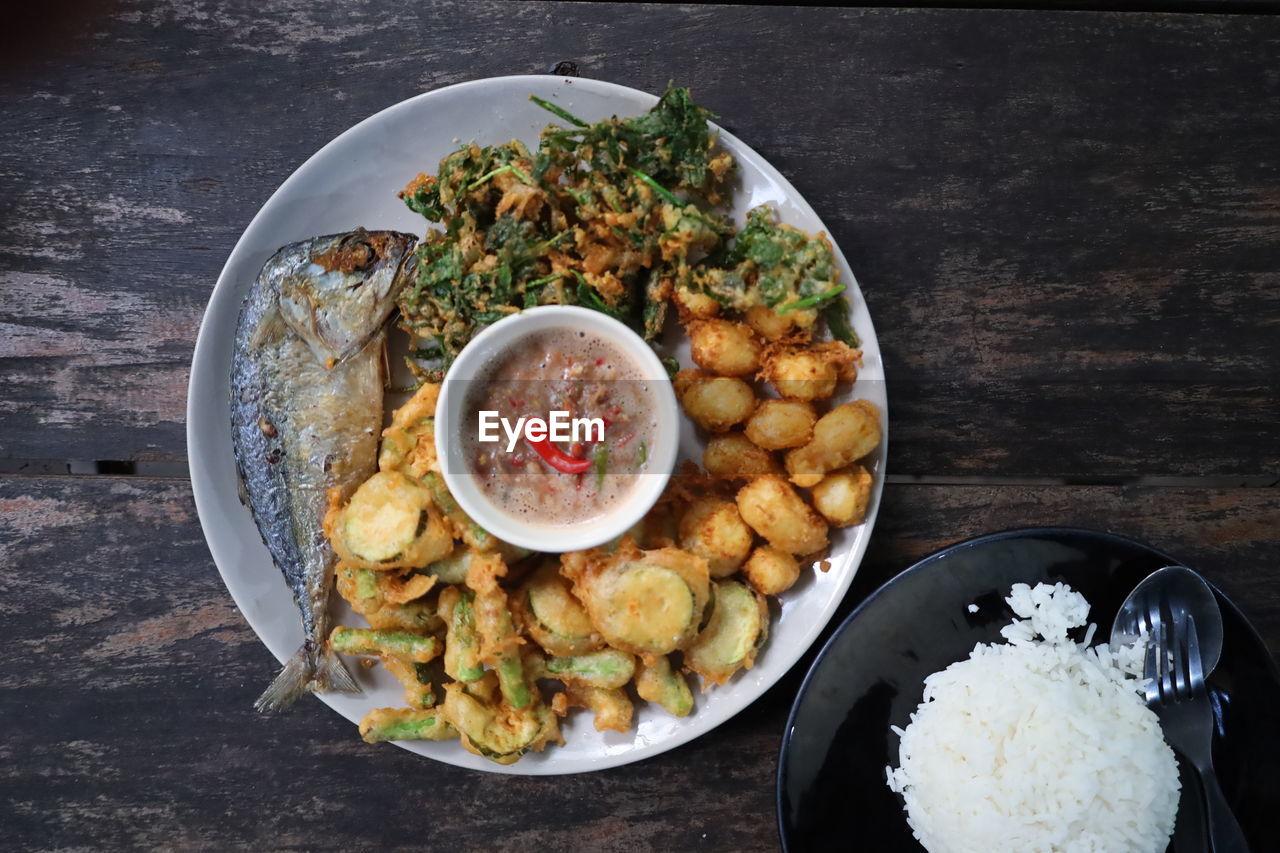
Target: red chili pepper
623	441
557	458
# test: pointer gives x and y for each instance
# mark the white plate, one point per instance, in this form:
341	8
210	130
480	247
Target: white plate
352	182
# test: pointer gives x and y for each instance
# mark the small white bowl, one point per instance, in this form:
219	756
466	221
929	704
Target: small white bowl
492	343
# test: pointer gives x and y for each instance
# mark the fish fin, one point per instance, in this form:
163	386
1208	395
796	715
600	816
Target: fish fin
269	329
305	672
332	674
293	681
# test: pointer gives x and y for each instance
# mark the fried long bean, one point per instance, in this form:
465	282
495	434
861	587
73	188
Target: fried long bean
366	641
384	724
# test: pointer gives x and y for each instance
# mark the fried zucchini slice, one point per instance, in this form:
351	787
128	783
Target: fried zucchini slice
389	524
498	732
607	668
737	629
657	682
551	615
644	602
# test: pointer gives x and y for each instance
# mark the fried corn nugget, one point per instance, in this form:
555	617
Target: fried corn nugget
715	403
772	326
781	424
843	435
771	571
732	455
774	510
810	372
712	528
724	348
842	496
694	305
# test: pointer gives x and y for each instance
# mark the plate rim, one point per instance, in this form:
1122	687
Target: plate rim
923	563
207	508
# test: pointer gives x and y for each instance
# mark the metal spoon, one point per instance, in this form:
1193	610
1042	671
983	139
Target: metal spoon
1179	613
1193	594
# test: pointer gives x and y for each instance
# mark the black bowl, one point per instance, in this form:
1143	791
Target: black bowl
870	675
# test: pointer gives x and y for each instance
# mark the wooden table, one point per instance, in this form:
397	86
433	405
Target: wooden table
1067	226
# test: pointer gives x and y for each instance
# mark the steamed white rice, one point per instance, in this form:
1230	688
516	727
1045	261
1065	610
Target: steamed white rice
1038	745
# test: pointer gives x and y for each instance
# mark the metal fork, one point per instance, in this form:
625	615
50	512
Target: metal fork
1176	691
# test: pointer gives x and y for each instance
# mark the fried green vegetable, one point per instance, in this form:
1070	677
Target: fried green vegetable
779	267
421	681
606	668
473	534
366	641
737	629
384	724
497	732
644	602
454	568
658	682
461	645
389	523
612	707
604	215
551	615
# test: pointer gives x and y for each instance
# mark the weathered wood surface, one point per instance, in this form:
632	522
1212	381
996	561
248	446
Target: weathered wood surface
1066	225
125	692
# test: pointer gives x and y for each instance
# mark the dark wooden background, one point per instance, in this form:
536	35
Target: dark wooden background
1066	224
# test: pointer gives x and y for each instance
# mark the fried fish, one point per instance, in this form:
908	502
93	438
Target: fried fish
306	412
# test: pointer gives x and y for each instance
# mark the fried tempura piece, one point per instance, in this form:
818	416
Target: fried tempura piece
811	371
644	602
732	455
715	403
723	347
843	435
773	509
842	496
712	528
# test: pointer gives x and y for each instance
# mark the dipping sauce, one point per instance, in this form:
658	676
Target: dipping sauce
604	396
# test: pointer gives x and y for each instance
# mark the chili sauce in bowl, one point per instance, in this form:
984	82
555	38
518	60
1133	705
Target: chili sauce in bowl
557	429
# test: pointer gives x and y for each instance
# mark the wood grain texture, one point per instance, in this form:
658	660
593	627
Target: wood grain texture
125	693
1066	225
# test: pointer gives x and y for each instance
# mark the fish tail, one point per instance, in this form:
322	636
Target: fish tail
305	672
332	674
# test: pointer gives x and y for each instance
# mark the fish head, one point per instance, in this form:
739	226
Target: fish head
337	291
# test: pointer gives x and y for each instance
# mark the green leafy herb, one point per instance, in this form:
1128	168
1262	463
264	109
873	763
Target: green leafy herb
552	108
601	464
